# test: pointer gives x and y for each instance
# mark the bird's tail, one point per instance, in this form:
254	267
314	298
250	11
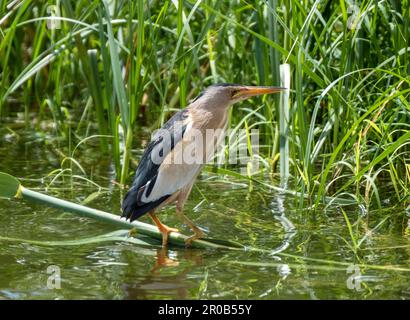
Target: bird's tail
132	209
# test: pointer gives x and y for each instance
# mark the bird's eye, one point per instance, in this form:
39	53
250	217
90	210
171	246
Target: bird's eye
233	93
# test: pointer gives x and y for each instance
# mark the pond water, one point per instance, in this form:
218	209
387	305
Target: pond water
317	260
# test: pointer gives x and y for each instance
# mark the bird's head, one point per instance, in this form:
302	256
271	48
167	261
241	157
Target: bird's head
226	94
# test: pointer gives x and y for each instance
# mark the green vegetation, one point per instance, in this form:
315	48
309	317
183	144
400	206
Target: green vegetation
10	187
108	69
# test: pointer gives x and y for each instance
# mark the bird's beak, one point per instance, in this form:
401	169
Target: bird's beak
251	91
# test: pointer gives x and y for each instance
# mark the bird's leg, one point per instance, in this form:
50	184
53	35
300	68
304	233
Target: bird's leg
198	233
165	230
163	260
182	197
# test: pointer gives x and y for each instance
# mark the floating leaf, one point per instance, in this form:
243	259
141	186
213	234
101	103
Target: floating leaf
9	186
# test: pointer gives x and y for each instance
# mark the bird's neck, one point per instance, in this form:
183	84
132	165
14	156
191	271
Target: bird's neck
210	119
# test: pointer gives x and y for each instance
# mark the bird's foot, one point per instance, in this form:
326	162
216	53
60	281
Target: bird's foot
198	235
165	231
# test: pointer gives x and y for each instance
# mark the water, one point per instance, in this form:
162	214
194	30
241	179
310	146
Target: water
316	260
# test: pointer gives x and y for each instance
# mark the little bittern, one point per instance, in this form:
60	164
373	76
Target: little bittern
175	155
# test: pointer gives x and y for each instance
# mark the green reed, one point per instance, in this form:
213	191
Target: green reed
112	68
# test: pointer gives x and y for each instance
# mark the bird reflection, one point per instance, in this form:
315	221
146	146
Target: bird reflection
168	276
163	260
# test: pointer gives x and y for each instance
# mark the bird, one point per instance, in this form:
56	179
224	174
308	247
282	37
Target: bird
165	174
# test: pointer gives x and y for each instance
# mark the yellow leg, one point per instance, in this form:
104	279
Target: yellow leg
163	260
198	233
165	230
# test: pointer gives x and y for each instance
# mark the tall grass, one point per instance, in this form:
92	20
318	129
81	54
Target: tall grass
124	65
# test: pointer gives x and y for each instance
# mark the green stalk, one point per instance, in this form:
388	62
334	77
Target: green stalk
135	85
114	220
284	115
127	156
11	187
274	60
6	45
95	86
108	98
121	95
181	70
116	70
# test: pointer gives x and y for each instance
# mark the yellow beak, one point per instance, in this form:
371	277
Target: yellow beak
251	91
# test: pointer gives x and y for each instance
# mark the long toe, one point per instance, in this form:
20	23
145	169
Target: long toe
172	230
196	236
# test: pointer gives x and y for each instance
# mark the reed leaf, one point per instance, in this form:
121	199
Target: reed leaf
10	187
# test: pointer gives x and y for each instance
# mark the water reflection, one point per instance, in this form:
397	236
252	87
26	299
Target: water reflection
258	219
170	276
279	214
164	260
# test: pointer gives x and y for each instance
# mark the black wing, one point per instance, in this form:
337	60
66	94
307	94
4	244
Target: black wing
146	174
